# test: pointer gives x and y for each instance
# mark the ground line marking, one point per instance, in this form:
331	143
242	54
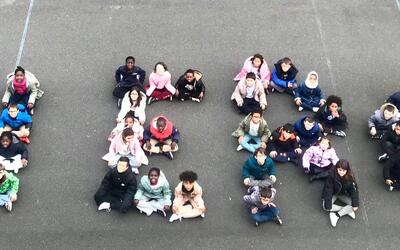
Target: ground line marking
21	46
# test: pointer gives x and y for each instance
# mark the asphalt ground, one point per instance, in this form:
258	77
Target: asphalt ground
74	47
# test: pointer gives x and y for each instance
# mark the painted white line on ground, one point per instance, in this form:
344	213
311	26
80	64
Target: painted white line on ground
21	46
398	4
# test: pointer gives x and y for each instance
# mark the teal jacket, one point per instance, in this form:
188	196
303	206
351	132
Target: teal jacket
11	183
251	168
160	192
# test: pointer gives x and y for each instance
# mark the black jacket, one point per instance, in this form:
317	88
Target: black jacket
391	170
392	137
324	116
14	149
122	185
287	146
333	186
395	99
184	86
130	79
285	76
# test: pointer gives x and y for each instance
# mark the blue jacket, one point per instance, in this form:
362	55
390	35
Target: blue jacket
308	95
23	118
252	168
281	78
313	133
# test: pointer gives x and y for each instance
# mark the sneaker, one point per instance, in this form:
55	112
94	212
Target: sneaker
161	212
119	102
315	109
170	98
325	134
202	215
150	100
31	112
182	100
175	217
352	215
169	155
383	157
240	147
135	171
278	220
391	188
195	99
334	219
8	206
16	170
301	108
256	224
340	133
25	139
105	206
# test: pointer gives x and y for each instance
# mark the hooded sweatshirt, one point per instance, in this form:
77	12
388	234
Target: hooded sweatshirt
251	168
170	132
378	121
160	191
263	74
254	198
309	92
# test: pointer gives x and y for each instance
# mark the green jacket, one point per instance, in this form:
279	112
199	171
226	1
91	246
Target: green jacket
160	192
10	184
244	127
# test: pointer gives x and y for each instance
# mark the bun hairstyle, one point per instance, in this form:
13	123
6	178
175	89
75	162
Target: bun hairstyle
19	69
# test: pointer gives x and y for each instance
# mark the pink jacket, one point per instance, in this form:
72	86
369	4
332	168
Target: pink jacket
265	74
195	198
134	149
240	92
317	156
159	82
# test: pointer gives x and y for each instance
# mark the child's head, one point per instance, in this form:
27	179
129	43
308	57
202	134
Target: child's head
287	130
153	175
324	143
160	68
286	64
188	178
256	116
397	128
250	79
6	139
265	195
130	62
257	60
2	171
161	123
261	155
19	74
333	103
308	123
127	135
343	170
129	120
189	75
13	110
123	164
388	112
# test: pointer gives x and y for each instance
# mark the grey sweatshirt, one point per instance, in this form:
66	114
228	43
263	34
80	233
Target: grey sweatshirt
254	199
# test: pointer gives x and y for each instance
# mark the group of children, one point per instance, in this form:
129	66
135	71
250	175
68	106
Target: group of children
304	144
131	138
22	91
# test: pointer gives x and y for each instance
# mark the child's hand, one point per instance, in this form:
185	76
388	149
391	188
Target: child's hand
298	150
355	209
335	114
254	210
322	102
246	182
373	131
273	154
13	197
240	103
298	102
240	139
290	85
176	92
389	182
263	106
273	178
271	204
24	162
263	145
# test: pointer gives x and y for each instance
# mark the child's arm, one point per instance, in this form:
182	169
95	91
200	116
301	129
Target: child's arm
14	181
142	75
277	81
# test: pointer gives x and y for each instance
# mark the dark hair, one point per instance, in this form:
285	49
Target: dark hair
124	159
287	60
129	115
6	134
161	119
13	105
333	99
344	164
259	56
260	150
288	128
19	69
189	71
137	104
389	108
129	58
256	111
324	138
265	192
397	124
251	75
126	132
162	64
157	170
189	176
309	119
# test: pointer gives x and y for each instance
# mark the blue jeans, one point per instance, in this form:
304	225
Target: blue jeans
267	214
4	198
249	146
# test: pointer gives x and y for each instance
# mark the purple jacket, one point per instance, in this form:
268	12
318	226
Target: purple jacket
319	157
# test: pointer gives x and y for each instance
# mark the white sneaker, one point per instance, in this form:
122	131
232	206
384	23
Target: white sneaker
240	147
334	219
352	215
202	215
150	100
175	217
182	100
391	188
315	109
383	157
135	171
8	206
105	206
195	99
170	98
16	170
300	108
